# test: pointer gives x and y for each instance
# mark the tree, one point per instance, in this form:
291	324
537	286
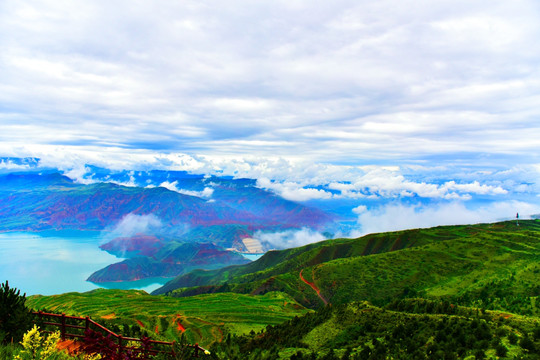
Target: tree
347	354
501	350
479	354
512	338
536	333
527	343
15	318
330	355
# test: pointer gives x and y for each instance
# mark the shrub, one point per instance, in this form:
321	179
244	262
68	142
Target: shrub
512	338
501	350
536	333
36	346
527	343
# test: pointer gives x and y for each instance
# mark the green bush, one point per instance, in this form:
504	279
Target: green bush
536	333
501	350
15	317
36	346
527	343
512	338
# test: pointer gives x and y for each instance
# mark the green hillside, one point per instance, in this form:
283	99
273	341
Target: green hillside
405	329
452	292
274	263
204	318
488	265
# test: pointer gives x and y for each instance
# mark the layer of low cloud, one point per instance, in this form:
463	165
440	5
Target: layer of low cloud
173	186
288	238
293	191
133	224
383	182
301	180
10	165
399	216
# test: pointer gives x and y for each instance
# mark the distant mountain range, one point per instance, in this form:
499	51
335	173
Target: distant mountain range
207	227
35	201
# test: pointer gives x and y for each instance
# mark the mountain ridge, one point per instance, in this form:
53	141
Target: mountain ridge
451	261
56	202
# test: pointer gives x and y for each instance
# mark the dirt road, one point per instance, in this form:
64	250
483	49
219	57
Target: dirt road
314	287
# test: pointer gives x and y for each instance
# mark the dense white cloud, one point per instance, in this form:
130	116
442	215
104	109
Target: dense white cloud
331	82
359	209
387	182
293	191
301	180
80	174
10	165
133	224
399	217
173	186
288	239
379	183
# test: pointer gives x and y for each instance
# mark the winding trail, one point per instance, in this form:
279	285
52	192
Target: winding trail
314	287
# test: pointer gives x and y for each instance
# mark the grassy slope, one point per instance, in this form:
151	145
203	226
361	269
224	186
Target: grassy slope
456	261
432	330
450	267
275	263
206	317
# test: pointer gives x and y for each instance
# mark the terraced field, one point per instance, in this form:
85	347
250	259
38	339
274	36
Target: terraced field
202	319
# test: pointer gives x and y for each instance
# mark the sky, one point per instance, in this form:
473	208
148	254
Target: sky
390	99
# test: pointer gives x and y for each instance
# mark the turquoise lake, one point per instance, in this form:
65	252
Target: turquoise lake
55	263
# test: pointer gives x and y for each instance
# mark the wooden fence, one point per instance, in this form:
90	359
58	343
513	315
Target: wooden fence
74	327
